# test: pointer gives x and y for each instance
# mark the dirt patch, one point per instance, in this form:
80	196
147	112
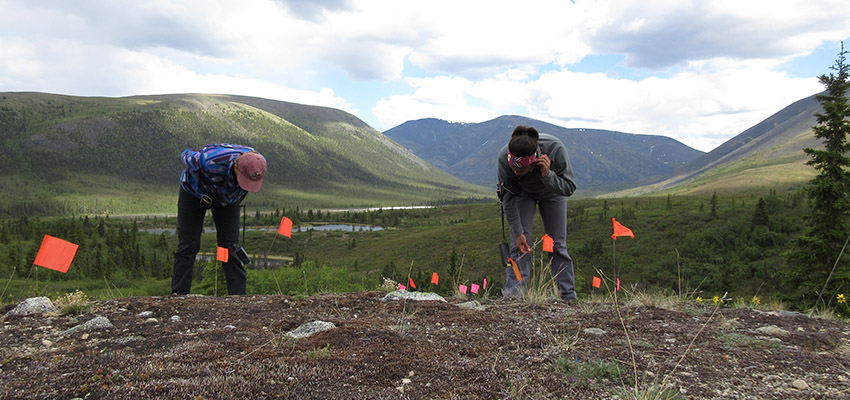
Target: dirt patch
235	348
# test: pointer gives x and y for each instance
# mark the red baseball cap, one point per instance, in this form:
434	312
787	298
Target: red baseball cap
252	170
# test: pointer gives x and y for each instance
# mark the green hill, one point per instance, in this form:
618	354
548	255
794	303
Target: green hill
767	155
67	154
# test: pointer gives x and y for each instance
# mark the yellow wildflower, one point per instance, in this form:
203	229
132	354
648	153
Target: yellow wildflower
840	298
699	300
756	301
717	299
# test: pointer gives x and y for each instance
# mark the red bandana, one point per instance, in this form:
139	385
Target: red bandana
521	162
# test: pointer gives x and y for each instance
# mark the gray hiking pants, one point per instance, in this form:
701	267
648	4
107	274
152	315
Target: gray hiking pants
553	212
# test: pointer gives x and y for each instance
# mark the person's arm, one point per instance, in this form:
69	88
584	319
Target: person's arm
191	158
560	178
511	190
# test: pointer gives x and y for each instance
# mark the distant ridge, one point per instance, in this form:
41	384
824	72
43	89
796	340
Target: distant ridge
602	160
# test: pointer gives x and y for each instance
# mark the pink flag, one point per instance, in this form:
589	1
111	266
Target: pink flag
485	284
402	287
474	288
618	283
285	228
55	254
462	288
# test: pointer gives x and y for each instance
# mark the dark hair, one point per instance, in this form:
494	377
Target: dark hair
523	141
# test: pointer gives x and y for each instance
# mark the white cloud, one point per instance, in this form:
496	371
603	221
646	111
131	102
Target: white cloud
439	97
690	106
659	33
705	70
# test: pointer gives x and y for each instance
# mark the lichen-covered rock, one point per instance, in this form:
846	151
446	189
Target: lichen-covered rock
32	305
309	329
472	305
416	296
94	323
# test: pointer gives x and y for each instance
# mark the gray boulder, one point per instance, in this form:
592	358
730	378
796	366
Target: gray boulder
309	329
94	323
416	296
32	305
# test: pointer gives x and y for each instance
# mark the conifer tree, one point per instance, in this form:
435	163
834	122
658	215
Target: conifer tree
829	190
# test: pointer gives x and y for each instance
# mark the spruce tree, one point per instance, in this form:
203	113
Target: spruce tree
829	191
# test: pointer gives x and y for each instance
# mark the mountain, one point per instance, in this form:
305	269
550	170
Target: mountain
96	154
769	154
602	160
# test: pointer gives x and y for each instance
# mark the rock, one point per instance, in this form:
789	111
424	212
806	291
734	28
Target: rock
32	305
151	321
472	305
310	328
783	313
128	339
417	296
773	330
175	318
594	331
800	384
145	314
94	323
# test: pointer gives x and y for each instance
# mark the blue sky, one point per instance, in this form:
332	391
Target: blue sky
697	71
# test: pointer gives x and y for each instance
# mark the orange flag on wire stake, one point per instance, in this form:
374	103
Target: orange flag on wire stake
55	254
412	285
221	254
285	228
516	269
597	282
548	243
620	230
435	279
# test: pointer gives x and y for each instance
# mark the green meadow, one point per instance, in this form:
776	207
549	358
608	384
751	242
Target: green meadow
688	245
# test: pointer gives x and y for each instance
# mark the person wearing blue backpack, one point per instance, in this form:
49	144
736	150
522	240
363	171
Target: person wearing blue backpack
534	172
217	177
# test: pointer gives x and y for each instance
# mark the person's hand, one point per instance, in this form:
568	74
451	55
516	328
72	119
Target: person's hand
522	244
544	162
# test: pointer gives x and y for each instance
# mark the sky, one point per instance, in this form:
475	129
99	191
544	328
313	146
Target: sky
700	72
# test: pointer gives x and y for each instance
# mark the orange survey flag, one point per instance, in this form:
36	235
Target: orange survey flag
435	279
516	269
597	282
55	254
620	230
548	243
221	254
285	228
412	285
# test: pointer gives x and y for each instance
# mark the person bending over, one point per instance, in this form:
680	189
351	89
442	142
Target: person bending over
534	172
216	177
